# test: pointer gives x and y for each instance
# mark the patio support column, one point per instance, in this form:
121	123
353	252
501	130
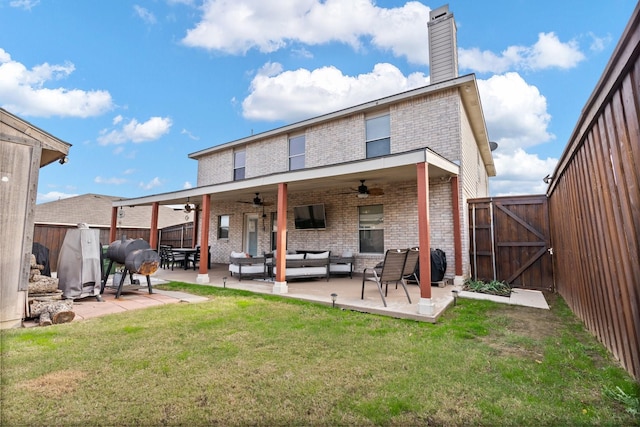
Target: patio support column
457	231
194	233
114	224
425	305
280	285
153	234
203	271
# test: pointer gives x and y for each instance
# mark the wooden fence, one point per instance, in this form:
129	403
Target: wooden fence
594	201
52	236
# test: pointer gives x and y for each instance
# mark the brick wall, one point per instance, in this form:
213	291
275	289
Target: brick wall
428	121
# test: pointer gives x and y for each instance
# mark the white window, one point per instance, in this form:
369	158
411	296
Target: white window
239	158
378	136
371	229
223	226
296	152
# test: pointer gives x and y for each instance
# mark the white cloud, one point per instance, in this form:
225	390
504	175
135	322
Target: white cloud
187	185
136	132
189	134
520	173
113	181
235	27
155	182
599	43
53	196
117	119
24	4
294	95
515	112
144	14
22	91
517	119
547	52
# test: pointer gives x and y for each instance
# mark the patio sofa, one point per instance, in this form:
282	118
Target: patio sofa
307	265
244	265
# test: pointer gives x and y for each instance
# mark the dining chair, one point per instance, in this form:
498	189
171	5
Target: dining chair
194	258
175	257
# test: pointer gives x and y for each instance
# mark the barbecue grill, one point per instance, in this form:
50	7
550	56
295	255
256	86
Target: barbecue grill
137	257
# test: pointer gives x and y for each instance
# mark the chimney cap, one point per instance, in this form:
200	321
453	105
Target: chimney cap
439	12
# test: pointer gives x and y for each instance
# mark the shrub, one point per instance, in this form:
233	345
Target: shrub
494	287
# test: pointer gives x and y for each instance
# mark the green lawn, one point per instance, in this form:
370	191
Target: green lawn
250	359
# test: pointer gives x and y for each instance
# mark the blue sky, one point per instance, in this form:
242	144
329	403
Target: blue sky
135	86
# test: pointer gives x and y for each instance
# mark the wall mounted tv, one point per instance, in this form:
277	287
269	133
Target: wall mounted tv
309	217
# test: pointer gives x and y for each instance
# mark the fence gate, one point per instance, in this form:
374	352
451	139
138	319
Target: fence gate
510	241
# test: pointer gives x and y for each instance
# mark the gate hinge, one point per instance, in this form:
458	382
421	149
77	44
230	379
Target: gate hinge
550	250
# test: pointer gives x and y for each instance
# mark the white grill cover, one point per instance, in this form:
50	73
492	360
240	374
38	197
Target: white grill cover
79	263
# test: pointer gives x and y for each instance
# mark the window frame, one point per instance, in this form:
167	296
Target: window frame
372	231
239	171
376	141
297	156
221	227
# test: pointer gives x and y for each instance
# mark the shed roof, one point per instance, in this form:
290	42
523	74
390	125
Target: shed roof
95	210
14	129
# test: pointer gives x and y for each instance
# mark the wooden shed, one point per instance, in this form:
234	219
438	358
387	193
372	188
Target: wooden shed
24	149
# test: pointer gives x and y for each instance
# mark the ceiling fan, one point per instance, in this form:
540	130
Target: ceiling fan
363	191
256	202
188	207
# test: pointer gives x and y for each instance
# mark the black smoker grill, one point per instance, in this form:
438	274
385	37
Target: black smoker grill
137	257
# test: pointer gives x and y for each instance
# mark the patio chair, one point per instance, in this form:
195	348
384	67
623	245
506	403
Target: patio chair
392	271
410	266
194	258
175	257
164	256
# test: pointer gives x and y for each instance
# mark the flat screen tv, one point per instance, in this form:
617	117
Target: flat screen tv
309	217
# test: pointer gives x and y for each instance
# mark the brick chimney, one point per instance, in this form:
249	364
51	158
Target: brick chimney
443	46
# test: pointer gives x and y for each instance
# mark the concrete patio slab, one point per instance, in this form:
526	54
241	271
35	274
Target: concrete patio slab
523	297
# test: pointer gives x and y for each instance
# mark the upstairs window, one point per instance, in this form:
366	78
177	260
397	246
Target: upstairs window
371	229
239	158
378	136
296	152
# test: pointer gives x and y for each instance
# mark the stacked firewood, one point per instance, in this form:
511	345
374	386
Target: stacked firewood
45	299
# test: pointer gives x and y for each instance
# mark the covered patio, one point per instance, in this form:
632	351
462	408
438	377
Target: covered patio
418	166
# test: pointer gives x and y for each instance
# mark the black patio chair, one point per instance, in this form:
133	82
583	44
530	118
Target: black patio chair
175	257
194	258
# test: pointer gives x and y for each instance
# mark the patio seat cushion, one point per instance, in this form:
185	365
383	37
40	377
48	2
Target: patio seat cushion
320	255
243	264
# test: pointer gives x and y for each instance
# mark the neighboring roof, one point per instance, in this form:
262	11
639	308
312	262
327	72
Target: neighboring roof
95	210
17	130
469	94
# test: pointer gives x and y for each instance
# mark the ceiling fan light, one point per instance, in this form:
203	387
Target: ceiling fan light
363	195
